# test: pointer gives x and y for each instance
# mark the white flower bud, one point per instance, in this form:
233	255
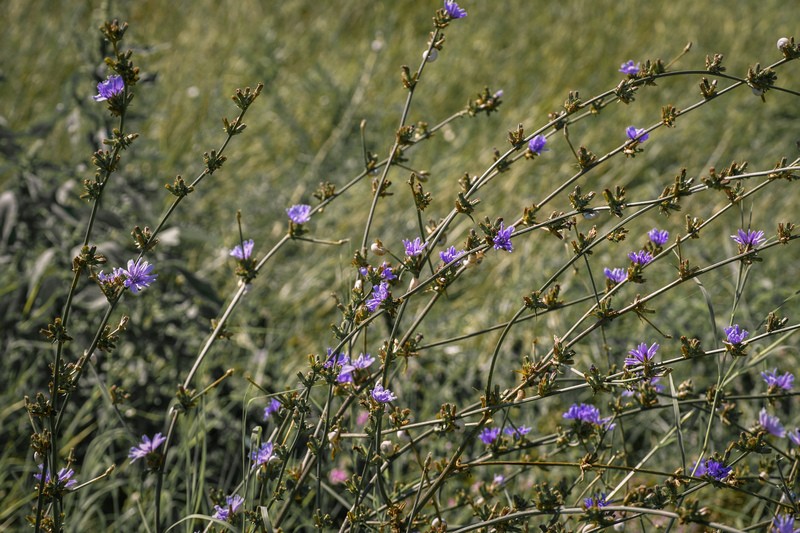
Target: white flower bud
757	91
413	284
783	42
377	248
430	57
387	447
402	434
439	523
358	285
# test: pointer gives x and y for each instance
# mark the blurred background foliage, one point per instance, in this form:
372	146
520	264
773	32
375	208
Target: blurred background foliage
326	67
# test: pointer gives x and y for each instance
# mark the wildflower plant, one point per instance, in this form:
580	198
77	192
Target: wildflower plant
490	390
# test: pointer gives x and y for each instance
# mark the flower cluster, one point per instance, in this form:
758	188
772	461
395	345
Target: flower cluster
783	524
502	240
147	447
379	293
348	367
774	381
735	335
587	414
273	407
63	479
450	255
630	68
415	247
713	469
489	435
232	504
658	236
771	424
261	456
537	145
641	355
637	134
243	251
381	395
136	277
299	214
598	500
453	10
617	275
517	433
641	258
109	88
748	239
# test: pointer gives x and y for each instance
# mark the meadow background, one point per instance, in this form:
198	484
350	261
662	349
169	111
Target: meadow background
327	66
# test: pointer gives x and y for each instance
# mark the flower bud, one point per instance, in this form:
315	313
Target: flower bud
413	284
402	434
431	56
783	42
358	286
387	447
377	248
439	523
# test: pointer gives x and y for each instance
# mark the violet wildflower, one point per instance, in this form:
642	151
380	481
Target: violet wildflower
379	294
337	475
598	500
587	414
381	395
637	134
63	479
346	373
273	407
617	275
489	435
146	447
537	145
641	355
794	436
335	359
453	10
658	236
771	424
713	469
502	240
642	257
517	433
233	503
262	455
385	271
630	68
415	247
748	239
109	88
112	278
736	335
138	275
774	381
243	251
450	255
498	479
299	214
783	524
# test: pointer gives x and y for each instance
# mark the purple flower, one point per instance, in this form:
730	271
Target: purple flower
735	334
771	423
630	68
713	469
273	407
64	478
385	271
598	500
233	503
453	10
537	145
641	354
502	241
642	257
381	395
138	275
243	251
775	381
489	435
617	275
262	455
658	236
379	294
517	433
109	279
335	359
749	238
146	447
111	87
794	436
299	214
415	247
346	373
637	134
450	255
586	413
783	524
